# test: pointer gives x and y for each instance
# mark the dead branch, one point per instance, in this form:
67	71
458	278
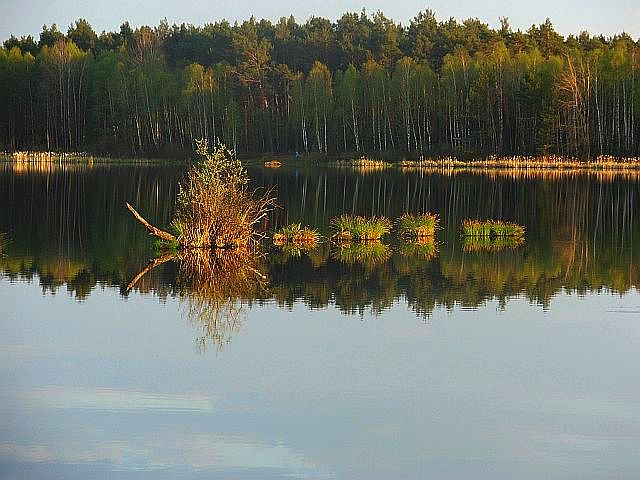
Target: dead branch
152	230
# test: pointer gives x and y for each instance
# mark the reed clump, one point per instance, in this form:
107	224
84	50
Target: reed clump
411	226
347	228
297	235
491	229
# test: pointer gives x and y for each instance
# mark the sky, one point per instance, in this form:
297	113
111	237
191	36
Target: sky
23	17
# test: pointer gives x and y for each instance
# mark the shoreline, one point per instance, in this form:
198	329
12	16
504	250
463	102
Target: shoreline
551	163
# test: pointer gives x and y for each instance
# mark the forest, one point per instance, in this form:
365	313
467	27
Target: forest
362	85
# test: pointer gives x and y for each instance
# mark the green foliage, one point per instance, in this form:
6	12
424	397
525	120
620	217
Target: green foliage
354	227
363	83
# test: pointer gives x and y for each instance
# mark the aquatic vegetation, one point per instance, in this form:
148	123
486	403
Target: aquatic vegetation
491	244
296	234
368	254
214	207
491	229
363	165
346	228
424	248
417	225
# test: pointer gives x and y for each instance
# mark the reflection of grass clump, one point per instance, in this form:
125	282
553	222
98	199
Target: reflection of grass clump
304	237
352	227
491	244
424	248
417	225
294	249
369	254
491	229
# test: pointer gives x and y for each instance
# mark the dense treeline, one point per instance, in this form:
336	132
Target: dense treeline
360	84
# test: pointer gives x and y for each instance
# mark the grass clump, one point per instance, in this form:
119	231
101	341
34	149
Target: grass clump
411	226
491	229
346	228
296	234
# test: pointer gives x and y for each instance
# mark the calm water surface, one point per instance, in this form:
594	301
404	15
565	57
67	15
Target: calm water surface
452	361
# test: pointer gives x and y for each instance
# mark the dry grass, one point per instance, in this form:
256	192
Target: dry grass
516	162
363	165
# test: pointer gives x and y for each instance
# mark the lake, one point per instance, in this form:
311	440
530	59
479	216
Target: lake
451	362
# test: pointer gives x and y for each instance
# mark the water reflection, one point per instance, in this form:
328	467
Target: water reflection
71	231
212	287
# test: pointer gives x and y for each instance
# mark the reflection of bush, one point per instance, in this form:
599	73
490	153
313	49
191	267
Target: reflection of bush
213	286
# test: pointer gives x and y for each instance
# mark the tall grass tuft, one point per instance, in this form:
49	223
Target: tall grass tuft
491	229
346	228
412	226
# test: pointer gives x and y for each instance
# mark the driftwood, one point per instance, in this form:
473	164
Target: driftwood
152	230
